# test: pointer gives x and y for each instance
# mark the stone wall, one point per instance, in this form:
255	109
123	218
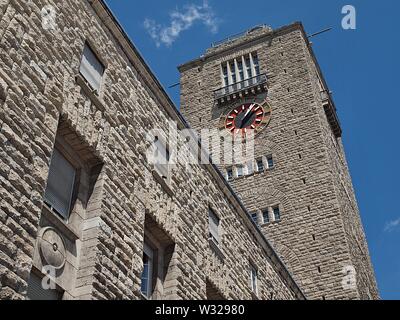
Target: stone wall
320	236
120	201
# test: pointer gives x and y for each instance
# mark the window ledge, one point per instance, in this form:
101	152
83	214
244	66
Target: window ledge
271	223
91	94
163	183
143	297
60	224
216	249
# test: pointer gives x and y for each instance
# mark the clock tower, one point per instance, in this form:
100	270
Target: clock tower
267	84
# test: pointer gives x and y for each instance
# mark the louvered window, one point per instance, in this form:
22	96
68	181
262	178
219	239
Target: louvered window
91	68
213	226
37	292
60	185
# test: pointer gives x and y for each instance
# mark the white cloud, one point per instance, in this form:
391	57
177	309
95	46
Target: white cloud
392	225
181	21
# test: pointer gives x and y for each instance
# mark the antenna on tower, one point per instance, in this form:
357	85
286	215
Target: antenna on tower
174	85
320	32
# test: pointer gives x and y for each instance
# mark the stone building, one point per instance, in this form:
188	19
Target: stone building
86	214
297	185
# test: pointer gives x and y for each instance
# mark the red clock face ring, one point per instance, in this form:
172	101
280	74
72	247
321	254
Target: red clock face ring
245	118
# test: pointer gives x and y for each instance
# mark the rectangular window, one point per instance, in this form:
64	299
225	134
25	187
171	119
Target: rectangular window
91	68
225	75
213	226
241	72
60	185
254	217
161	157
277	213
254	279
233	72
256	65
265	214
239	171
147	274
260	165
248	68
229	174
36	292
270	162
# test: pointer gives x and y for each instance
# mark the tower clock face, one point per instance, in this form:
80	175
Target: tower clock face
248	117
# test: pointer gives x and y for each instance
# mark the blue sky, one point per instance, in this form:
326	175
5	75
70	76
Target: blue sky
361	67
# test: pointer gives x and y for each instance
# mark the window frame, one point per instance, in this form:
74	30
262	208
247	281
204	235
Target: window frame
161	168
277	207
229	177
150	253
95	90
265	213
258	167
270	161
241	168
254	217
216	239
75	181
253	279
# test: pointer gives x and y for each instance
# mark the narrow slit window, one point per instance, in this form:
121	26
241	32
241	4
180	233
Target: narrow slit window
147	273
254	279
213	226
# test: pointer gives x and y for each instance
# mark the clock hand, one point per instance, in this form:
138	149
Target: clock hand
247	114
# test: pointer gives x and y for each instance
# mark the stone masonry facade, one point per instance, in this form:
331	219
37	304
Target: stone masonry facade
120	202
319	234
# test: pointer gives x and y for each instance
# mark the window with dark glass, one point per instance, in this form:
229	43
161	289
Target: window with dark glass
260	165
254	217
270	161
248	67
277	213
229	174
241	74
225	74
256	64
147	273
265	214
233	72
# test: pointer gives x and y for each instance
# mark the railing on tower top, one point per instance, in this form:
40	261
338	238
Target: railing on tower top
238	35
239	86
